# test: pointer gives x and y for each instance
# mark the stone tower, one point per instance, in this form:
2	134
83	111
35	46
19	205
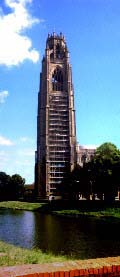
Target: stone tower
56	132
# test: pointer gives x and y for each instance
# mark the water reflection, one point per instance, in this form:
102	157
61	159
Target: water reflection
77	237
17	227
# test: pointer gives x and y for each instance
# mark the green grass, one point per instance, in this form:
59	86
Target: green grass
17	205
44	207
108	212
12	255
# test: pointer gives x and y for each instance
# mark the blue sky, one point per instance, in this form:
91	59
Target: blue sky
92	32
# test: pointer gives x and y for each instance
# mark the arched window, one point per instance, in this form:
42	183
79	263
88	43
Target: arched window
83	158
58	51
57	80
51	56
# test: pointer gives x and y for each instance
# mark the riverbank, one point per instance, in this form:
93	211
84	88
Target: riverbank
18	205
11	255
108	212
109	266
63	209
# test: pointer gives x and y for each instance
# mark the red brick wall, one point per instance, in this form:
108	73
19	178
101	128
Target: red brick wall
100	267
105	271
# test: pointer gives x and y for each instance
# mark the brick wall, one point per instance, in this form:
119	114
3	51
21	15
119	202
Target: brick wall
106	271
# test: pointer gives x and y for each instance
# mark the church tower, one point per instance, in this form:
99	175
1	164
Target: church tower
56	131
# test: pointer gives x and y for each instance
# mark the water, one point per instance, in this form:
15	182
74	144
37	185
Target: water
77	237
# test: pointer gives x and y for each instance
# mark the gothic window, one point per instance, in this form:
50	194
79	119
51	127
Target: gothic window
83	158
59	51
58	55
51	56
57	80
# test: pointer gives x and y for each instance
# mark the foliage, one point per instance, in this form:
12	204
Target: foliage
105	169
99	176
12	255
11	187
4	185
17	186
107	152
70	184
107	213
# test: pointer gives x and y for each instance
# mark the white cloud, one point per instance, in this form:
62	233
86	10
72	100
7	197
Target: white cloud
15	47
5	141
3	95
89	146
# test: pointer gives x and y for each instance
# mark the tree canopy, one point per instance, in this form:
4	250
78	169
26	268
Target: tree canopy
99	176
11	187
105	168
107	152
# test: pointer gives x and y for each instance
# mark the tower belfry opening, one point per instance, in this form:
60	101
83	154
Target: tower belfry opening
57	80
56	131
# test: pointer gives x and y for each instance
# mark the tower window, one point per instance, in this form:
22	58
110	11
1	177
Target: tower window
57	80
51	56
58	51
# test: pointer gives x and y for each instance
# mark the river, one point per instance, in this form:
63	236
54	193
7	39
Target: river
79	237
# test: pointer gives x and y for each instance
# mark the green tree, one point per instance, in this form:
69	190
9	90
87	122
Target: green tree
105	165
17	186
4	186
76	183
101	175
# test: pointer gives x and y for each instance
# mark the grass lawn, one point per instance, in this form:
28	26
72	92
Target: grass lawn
44	207
12	255
17	205
108	212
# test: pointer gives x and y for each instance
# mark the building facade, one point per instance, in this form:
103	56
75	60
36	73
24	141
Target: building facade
84	154
56	128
